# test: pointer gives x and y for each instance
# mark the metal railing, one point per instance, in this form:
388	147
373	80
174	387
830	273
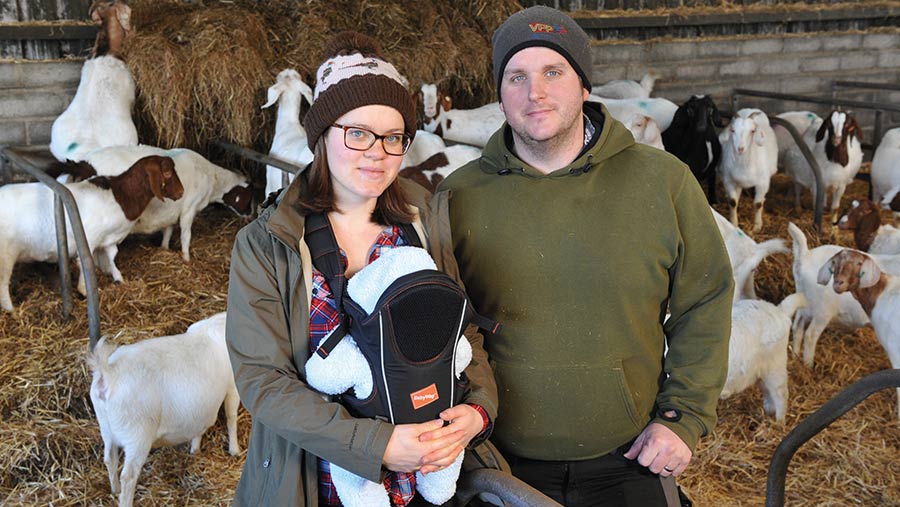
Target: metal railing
64	204
816	422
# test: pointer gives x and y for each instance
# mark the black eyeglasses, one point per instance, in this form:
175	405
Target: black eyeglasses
360	139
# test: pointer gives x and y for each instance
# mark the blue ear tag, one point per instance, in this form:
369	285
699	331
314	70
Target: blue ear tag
861	273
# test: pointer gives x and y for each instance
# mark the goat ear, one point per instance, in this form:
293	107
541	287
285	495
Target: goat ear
826	271
123	14
95	13
823	130
153	168
273	94
869	273
854	129
759	137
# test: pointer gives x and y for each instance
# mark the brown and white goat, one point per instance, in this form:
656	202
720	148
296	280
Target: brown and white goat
863	218
114	20
109	207
835	144
877	292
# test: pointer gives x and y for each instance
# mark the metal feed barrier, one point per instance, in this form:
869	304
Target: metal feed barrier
816	422
879	108
64	201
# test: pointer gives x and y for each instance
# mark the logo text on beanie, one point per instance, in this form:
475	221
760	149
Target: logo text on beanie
424	396
545	28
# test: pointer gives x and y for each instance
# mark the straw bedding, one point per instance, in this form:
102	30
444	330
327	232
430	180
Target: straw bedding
51	451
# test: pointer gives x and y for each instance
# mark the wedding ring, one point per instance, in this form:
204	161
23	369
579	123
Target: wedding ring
667	469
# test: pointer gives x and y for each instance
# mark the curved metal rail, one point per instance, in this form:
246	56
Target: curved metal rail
816	422
811	160
505	486
64	204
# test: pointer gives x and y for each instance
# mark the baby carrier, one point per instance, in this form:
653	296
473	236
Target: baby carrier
409	339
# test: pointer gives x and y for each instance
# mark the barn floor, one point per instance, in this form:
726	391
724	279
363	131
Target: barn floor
50	446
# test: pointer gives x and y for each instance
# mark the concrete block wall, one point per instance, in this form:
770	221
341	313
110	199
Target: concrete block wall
32	95
805	64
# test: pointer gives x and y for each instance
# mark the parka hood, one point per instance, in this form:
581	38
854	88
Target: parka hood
497	157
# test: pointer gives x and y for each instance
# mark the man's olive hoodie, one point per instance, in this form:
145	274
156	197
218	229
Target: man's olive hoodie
580	266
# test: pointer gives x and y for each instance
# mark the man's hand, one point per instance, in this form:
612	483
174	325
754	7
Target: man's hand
661	450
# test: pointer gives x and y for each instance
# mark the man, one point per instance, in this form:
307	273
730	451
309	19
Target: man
579	240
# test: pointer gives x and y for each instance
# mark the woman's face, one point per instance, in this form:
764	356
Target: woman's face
360	176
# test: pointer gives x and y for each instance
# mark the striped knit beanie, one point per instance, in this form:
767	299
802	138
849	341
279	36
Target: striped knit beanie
355	75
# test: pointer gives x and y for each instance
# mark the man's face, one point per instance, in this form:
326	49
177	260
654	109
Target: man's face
542	97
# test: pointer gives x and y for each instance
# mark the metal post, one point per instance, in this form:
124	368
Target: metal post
62	248
84	251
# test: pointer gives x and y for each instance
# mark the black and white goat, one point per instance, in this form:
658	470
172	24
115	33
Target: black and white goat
693	139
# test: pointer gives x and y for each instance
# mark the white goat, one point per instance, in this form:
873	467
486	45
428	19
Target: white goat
835	144
626	88
204	183
749	159
467	126
757	349
801	120
742	247
824	306
645	130
886	167
108	209
661	110
100	113
877	291
290	143
161	391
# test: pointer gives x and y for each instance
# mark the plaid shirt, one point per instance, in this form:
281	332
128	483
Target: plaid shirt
323	318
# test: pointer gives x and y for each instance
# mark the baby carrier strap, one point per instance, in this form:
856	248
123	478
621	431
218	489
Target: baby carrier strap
326	257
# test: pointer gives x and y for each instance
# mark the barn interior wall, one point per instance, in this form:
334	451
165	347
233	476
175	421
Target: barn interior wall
33	93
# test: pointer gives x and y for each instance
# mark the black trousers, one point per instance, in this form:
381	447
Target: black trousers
607	481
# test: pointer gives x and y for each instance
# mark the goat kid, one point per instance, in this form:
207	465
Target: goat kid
863	218
626	88
742	247
108	206
467	126
99	114
878	293
204	183
289	143
757	349
114	20
749	159
886	167
693	139
835	144
161	391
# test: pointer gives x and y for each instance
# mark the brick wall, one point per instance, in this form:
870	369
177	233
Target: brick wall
797	64
32	95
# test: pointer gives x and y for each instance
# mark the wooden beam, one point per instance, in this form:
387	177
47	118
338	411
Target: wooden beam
736	18
47	32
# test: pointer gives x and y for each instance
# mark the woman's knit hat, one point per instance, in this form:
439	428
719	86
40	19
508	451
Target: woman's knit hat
546	27
355	75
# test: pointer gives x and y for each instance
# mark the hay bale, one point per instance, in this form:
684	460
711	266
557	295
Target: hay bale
202	72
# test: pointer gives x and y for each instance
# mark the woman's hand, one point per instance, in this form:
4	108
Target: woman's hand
465	424
406	447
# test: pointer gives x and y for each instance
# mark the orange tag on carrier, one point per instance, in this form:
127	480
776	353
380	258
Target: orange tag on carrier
424	396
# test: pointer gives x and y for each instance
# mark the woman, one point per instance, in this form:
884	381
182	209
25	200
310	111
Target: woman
279	306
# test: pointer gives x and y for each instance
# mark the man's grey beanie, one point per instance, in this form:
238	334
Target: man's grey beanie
546	27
